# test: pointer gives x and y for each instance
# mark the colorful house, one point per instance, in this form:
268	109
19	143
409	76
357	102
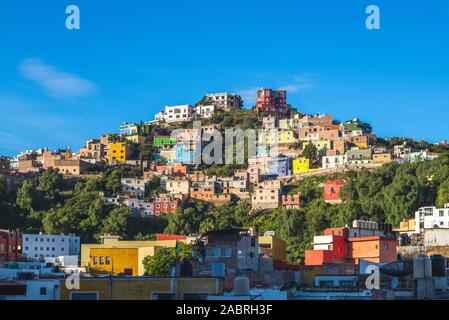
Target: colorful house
332	191
163	141
184	154
117	257
302	165
350	245
118	152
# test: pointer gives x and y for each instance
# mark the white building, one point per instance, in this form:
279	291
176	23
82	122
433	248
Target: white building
331	162
40	246
140	206
133	186
432	218
226	101
63	261
205	111
176	113
129	129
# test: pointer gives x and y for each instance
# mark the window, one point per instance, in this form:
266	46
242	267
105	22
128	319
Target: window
326	283
108	260
441	213
347	283
95	260
43	291
101	260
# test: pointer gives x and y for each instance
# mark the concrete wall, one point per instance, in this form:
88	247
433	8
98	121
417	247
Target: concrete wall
436	237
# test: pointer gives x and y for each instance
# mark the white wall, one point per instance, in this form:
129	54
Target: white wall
36	246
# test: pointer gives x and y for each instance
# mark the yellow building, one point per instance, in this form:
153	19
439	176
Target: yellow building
278	136
119	261
118	152
135	138
407	226
302	165
382	157
120	257
274	246
321	145
143	288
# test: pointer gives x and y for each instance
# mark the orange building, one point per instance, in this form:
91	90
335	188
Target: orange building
375	249
350	245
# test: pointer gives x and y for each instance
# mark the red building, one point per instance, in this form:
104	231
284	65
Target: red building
10	245
350	245
165	204
272	102
332	191
162	237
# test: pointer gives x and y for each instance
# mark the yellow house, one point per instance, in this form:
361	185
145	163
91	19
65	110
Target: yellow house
302	165
321	145
286	137
118	152
135	138
120	257
278	136
407	226
382	157
119	261
143	288
273	245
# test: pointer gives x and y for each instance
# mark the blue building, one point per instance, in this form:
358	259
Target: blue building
129	129
280	166
184	154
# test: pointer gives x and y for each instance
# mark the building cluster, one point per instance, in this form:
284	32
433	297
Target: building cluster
235	263
231	264
283	135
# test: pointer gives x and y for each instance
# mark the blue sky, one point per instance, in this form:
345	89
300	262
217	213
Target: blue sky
59	88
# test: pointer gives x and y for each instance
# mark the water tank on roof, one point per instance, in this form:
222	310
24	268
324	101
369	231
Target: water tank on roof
422	267
241	286
438	265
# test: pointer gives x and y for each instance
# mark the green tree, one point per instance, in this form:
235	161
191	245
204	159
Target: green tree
26	196
164	260
117	221
310	152
401	198
443	194
161	263
113	182
50	182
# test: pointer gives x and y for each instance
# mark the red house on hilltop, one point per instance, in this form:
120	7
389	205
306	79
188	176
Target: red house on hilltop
272	102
